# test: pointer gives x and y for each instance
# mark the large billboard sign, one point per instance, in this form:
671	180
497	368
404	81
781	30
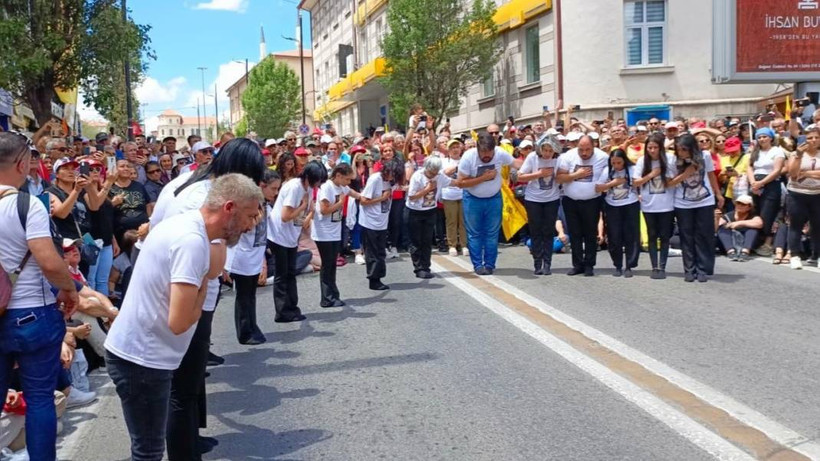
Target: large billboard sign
764	41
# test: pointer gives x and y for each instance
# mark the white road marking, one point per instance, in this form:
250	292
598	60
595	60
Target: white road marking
774	430
660	410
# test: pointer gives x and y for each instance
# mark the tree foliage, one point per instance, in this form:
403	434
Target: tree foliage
241	128
70	43
273	99
435	50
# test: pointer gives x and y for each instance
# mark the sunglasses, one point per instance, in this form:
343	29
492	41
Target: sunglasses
704	141
719	142
152	172
95	169
494	133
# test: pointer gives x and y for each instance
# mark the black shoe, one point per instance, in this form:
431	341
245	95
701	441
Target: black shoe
618	272
255	341
546	270
206	444
339	303
661	274
376	284
743	257
628	273
588	272
538	271
325	304
424	275
295	318
688	277
575	271
702	278
656	274
207	374
482	271
214	360
489	270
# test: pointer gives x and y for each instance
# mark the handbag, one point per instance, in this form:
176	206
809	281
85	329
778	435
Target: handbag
89	252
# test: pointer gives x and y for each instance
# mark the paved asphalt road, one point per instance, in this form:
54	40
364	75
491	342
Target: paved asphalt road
514	367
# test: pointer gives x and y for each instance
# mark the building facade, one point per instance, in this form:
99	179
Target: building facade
291	58
172	123
633	58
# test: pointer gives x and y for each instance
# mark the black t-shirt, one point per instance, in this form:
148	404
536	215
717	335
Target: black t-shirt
102	223
78	220
133	211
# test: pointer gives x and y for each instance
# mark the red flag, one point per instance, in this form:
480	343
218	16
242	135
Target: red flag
135	128
43	172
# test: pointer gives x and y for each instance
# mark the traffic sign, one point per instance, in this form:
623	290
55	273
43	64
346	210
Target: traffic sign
304	129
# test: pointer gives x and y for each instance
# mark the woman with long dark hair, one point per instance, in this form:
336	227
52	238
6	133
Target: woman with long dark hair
362	164
695	200
286	166
285	224
622	213
375	203
326	229
804	194
765	166
652	175
541	199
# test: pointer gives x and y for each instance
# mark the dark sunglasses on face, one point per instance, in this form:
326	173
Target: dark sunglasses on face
95	169
152	172
703	141
494	133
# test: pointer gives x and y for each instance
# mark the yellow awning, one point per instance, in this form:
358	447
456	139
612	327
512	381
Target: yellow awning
516	12
357	79
367	8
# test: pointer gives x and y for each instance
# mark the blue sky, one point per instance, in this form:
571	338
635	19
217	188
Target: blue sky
186	34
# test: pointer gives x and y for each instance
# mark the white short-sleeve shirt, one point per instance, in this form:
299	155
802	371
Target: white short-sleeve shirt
430	200
540	190
375	216
655	196
584	188
696	190
624	194
283	233
472	166
328	228
176	251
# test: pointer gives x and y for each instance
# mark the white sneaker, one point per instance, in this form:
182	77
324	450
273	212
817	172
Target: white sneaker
453	251
360	259
675	252
269	281
78	398
795	263
465	252
392	253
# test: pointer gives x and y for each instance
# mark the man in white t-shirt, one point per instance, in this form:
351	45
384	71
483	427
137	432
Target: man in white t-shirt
579	170
164	303
32	327
479	173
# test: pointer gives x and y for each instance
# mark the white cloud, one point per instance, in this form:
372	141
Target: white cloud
151	124
228	74
238	6
87	113
150	91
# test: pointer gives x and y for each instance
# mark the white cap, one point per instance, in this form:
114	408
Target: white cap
525	143
506	141
592	134
325	139
641	128
201	145
561	137
671	125
271	142
552	132
573	136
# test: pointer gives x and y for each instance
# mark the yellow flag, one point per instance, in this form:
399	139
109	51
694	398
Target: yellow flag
474	135
513	213
788	108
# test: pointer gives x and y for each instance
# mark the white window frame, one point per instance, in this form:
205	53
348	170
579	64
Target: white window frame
644	27
527	69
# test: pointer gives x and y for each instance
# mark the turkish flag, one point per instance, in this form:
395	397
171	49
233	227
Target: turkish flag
135	128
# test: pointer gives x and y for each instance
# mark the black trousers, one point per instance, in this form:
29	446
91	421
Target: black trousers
803	208
422	227
659	229
182	434
244	313
767	204
327	277
441	229
395	225
541	217
374	243
285	292
697	239
623	234
582	220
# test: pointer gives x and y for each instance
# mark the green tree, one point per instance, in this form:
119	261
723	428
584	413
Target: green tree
435	50
241	128
272	100
70	43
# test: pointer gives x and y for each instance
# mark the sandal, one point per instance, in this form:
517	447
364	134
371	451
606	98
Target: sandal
777	258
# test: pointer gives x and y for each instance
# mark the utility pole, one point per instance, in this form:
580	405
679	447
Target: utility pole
129	109
302	66
204	112
216	111
198	121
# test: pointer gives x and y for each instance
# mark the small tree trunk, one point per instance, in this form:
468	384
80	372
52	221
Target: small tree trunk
39	98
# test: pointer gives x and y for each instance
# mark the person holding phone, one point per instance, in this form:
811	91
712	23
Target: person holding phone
102	224
70	211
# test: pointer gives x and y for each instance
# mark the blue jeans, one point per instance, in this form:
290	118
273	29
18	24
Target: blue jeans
145	394
482	219
98	273
32	338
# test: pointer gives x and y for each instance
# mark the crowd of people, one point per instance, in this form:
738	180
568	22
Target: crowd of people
115	251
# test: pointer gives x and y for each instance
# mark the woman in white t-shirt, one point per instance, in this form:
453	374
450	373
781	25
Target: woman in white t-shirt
374	212
451	199
423	195
804	194
765	167
245	262
695	200
622	213
651	175
326	229
541	199
284	226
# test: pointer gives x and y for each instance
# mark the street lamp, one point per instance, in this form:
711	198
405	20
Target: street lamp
301	59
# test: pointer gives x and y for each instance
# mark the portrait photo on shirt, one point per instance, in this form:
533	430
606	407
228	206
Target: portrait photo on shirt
583	167
694	187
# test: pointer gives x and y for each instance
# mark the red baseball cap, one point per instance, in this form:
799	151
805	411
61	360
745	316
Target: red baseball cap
265	152
357	149
732	144
301	151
